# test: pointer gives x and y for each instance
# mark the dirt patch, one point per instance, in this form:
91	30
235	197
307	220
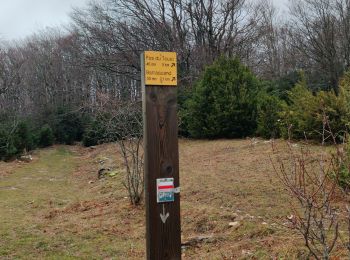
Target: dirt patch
78	207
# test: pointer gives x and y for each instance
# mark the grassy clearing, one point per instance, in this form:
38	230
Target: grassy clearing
56	208
48	212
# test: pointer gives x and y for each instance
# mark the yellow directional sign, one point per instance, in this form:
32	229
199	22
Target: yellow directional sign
160	68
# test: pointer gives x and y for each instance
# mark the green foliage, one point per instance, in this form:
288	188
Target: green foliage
307	113
344	177
223	102
46	137
268	119
95	133
7	146
299	114
68	126
24	137
344	171
283	85
341	159
16	137
344	92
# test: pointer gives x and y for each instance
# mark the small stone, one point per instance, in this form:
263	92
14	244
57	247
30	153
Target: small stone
264	223
240	218
246	252
291	217
26	158
234	224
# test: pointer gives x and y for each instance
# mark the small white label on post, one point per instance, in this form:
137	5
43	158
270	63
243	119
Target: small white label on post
165	190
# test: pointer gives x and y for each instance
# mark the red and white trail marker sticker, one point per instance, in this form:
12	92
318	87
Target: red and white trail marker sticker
165	190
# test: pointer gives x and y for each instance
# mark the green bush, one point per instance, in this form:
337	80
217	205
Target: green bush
68	126
268	119
341	158
284	84
344	177
24	137
223	102
95	133
16	137
344	95
307	112
7	147
46	137
184	95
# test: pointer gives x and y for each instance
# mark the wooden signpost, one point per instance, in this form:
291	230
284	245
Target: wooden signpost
159	93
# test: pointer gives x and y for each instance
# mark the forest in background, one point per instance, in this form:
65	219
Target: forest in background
260	72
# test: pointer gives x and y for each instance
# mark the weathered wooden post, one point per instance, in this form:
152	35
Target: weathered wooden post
159	81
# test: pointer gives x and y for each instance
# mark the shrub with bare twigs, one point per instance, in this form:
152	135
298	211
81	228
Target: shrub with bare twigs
312	178
122	123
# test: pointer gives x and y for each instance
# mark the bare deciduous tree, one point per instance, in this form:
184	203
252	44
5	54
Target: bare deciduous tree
123	124
321	31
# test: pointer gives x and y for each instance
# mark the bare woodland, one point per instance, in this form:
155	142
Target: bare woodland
99	52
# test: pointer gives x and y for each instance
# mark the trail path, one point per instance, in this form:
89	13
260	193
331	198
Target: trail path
55	208
37	186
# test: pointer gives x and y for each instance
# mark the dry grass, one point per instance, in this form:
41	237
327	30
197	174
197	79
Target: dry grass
58	208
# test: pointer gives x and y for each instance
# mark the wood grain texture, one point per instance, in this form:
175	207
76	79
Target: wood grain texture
161	161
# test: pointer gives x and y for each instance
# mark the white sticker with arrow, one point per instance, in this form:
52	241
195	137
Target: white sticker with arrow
164	216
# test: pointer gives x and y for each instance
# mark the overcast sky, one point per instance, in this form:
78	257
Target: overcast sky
21	18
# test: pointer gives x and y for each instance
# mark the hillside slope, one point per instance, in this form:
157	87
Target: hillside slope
56	208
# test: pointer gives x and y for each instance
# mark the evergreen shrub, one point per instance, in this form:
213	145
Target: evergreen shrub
223	102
